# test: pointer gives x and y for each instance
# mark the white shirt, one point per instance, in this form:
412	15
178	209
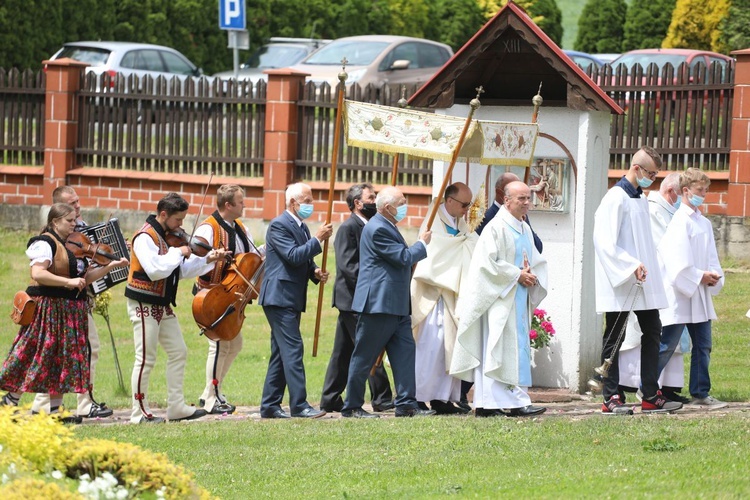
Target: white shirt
687	250
206	231
158	267
622	241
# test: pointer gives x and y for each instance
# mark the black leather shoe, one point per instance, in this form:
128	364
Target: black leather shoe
153	420
222	408
309	412
446	408
526	411
464	405
358	413
481	412
198	413
388	405
279	413
71	420
99	410
413	412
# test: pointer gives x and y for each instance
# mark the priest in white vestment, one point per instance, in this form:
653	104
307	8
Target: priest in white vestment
693	275
507	280
661	206
434	291
628	278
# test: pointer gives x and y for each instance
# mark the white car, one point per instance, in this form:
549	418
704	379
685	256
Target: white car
128	58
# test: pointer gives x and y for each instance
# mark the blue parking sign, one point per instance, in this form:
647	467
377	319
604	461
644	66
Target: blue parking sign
232	14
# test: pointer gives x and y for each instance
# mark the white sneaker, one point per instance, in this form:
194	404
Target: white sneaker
639	395
708	403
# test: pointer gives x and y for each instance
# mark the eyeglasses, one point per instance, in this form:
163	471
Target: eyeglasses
651	174
463	205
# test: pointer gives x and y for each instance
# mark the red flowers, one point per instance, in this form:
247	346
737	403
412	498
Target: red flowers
542	331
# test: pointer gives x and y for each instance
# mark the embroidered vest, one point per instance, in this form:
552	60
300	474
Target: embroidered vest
63	264
225	236
140	287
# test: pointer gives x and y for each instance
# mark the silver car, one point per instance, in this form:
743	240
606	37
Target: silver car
377	60
129	58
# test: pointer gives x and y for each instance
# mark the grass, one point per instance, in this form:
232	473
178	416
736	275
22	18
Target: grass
547	457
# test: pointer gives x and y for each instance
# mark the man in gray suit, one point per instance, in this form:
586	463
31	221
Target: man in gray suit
382	299
289	264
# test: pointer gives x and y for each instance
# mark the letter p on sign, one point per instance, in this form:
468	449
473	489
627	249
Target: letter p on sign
232	14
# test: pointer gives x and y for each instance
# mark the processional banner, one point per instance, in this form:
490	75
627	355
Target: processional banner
396	130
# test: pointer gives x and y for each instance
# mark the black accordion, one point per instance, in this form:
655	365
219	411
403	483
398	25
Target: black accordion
110	234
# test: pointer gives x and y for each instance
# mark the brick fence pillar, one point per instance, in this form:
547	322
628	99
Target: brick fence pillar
61	121
738	193
280	137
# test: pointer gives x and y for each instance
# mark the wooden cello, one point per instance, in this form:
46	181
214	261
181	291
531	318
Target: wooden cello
219	310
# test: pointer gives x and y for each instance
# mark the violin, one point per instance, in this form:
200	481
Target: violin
179	238
81	246
219	310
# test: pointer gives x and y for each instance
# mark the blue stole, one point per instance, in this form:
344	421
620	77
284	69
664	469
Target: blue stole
523	247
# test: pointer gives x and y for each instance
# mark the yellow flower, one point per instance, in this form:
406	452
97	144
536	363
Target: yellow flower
101	303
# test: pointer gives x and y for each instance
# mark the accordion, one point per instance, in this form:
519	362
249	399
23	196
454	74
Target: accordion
109	233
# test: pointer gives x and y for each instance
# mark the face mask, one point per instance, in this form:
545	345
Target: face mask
305	210
400	213
368	210
644	181
677	203
695	200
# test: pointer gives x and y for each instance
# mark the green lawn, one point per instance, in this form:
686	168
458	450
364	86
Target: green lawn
548	457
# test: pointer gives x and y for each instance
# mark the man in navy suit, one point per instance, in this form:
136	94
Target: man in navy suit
361	201
382	299
289	264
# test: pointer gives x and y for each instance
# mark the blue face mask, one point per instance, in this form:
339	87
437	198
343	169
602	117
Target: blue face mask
695	200
305	210
400	213
644	181
677	203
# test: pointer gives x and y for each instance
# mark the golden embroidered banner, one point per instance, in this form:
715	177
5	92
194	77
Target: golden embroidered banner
395	130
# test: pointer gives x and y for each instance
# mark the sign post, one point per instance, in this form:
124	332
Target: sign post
232	17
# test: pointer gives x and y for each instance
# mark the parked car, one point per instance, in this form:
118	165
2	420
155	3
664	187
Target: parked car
279	52
675	57
583	59
606	58
129	58
377	59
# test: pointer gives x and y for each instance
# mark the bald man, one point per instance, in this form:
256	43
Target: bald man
434	291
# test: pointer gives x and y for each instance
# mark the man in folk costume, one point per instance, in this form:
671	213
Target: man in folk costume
155	272
693	275
360	198
223	229
508	279
625	255
662	205
434	291
87	407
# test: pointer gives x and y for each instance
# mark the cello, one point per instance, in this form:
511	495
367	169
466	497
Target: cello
219	310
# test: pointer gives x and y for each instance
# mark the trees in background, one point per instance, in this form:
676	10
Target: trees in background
601	26
646	23
735	28
695	24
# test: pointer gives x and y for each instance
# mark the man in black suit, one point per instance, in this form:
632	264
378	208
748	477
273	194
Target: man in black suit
361	201
382	299
289	264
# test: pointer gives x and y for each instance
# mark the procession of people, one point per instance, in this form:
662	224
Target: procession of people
451	310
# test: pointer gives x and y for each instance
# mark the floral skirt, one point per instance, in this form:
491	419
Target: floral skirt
50	355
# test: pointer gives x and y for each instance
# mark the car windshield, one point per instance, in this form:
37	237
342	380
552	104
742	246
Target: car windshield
357	53
276	56
90	55
644	60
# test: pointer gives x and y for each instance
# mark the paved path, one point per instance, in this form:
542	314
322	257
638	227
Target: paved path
559	403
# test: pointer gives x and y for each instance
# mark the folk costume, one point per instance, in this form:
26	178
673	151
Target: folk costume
661	212
622	241
232	236
155	271
492	348
51	355
87	406
687	250
434	291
